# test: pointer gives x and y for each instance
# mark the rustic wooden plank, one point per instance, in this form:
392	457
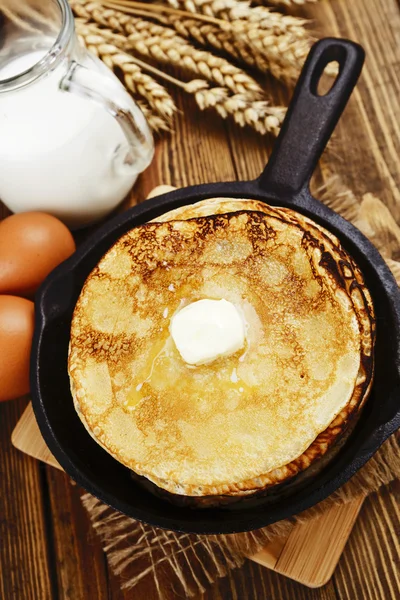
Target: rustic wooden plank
77	550
253	582
145	589
367	140
81	564
27	438
198	152
369	567
24	546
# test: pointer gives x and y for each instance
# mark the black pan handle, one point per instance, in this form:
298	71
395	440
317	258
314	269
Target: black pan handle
311	118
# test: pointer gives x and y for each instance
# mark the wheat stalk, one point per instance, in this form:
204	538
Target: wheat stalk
136	81
284	54
222	9
267	20
284	2
216	12
232	10
281	39
245	110
225	41
242	107
153	41
265	40
132	7
165	46
232	97
257	114
101	8
206	34
156	122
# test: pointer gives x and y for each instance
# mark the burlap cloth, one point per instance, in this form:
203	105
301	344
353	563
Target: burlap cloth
189	563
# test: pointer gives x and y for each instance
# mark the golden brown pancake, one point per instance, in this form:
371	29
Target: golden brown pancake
243	422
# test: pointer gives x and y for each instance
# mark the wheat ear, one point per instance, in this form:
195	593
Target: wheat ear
137	82
222	9
282	40
257	114
285	54
165	46
231	10
245	111
208	34
156	122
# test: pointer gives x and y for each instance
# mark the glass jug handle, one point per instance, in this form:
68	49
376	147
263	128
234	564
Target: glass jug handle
110	94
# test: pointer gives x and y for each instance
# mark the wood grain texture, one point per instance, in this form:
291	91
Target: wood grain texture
24	550
312	550
365	153
367	140
254	582
27	437
81	567
370	567
309	554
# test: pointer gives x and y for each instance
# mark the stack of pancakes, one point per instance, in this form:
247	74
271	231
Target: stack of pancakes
244	423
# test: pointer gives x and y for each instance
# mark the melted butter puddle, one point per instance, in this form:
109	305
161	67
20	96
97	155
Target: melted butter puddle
136	394
159	361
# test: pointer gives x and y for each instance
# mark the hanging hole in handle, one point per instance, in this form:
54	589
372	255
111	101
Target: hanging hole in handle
328	78
327	71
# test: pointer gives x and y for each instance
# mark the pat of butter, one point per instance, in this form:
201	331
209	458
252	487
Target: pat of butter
207	329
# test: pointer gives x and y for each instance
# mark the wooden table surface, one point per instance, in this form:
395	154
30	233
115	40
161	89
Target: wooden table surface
47	549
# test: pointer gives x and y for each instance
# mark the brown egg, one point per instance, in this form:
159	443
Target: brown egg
31	245
16	331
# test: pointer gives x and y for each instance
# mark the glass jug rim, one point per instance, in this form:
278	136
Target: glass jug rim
52	56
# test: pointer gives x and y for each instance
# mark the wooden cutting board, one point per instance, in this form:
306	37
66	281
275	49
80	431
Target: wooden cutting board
308	554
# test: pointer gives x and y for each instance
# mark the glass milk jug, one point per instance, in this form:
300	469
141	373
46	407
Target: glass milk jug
72	140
